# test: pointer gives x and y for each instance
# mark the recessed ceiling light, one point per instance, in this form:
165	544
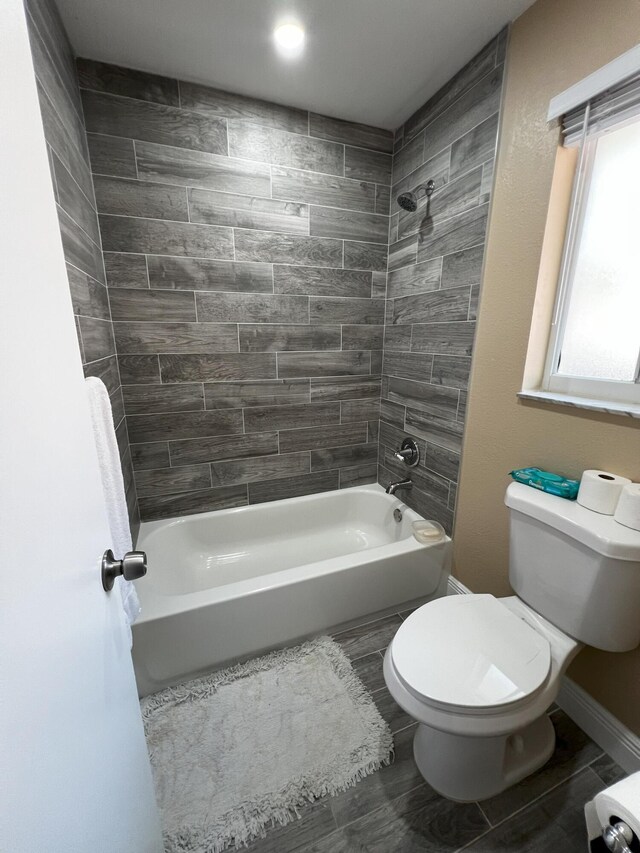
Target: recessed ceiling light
289	39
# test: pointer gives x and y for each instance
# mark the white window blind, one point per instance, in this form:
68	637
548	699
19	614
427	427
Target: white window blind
612	107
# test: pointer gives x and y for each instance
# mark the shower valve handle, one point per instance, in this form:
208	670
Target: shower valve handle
409	453
131	567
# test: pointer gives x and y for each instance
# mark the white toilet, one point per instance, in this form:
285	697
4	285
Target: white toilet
478	673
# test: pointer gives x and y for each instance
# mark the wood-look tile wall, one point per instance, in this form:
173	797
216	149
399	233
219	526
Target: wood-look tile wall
245	246
64	130
435	264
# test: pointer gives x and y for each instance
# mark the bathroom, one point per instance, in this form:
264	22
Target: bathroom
308	262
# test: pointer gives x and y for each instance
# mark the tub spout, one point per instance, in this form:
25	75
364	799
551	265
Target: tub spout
392	488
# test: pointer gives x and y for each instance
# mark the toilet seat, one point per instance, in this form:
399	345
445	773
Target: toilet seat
470	654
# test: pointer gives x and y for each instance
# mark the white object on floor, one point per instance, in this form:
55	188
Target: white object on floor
284	570
478	673
244	748
112	485
616	807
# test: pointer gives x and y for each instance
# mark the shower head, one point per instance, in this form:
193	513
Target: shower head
409	200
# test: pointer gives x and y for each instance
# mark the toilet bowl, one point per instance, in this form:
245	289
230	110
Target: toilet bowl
478	673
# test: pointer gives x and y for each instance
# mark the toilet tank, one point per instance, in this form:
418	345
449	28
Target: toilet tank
577	568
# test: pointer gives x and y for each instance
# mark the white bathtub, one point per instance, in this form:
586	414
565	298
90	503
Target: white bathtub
227	584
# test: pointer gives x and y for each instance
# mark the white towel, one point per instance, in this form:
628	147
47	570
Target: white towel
113	487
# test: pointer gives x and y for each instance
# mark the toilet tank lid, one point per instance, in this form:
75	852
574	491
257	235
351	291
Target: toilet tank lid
599	532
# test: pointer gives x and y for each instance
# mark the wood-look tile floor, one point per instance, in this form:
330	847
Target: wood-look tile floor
396	811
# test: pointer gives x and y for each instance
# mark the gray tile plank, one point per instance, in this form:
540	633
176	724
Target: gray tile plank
251	308
390	711
554	821
320	281
79	249
215	208
469	110
218	448
365	256
139	369
154	454
345	388
314	823
265	418
573	751
127	197
316	438
383	199
451	370
72	199
89	297
126	270
344	310
153	337
359	475
443	338
438	430
287	249
348	224
217	103
292	365
150	122
436	169
204	274
465	267
408	365
155	237
369	670
608	770
408	158
397	338
317	188
171	481
105	369
441	461
475	147
46	19
362	337
293	487
266	337
218	367
391	413
103	77
152	305
265	392
170	506
452	90
179	425
112	155
186	168
365	165
97	338
403	252
350	133
436	306
148	399
359	410
259	468
344	457
250	141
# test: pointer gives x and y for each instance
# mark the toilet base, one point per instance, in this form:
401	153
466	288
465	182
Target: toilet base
475	768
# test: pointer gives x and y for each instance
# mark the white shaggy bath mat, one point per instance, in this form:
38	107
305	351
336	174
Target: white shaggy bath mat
242	749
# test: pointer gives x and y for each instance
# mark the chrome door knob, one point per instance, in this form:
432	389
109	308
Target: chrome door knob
132	566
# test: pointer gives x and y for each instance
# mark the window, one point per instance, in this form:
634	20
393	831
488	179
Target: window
595	341
593	354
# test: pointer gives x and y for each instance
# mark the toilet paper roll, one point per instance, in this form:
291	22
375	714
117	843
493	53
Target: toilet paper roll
628	508
600	491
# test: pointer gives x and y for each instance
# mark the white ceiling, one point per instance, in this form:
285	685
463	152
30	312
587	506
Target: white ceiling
372	61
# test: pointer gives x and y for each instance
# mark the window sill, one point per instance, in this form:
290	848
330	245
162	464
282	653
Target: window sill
628	410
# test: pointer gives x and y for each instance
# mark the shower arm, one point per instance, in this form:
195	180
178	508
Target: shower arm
426	189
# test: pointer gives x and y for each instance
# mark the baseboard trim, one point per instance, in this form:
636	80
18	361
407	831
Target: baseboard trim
607	731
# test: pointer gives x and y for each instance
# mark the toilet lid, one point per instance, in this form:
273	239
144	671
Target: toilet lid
469	651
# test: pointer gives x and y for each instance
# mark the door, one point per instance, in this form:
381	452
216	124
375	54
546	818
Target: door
75	772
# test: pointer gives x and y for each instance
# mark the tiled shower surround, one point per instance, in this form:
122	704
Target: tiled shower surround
65	135
245	246
243	279
435	265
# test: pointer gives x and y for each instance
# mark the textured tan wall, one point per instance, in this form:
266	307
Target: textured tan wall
554	44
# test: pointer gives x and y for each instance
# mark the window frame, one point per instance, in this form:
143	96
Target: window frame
603	390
